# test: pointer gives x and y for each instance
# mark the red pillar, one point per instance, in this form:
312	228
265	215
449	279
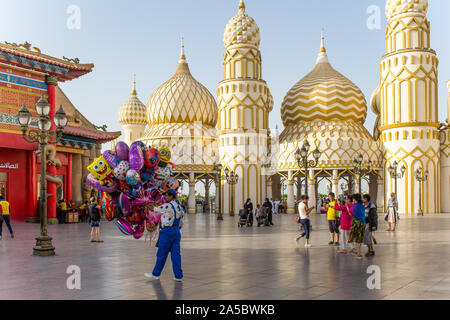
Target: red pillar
33	214
69	178
52	82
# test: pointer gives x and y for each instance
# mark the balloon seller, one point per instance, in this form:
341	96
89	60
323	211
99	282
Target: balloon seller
169	237
139	193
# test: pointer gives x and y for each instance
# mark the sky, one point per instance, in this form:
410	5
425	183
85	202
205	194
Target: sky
142	37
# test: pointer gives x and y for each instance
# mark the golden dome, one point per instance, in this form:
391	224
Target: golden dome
182	99
132	111
394	7
241	29
323	94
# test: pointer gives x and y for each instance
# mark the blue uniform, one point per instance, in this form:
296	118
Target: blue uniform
169	238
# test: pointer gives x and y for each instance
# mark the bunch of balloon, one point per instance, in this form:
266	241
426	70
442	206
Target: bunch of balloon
133	180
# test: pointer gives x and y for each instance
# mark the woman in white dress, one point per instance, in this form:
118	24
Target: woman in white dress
392	212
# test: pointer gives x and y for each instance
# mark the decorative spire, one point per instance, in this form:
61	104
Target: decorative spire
182	63
182	56
322	44
322	57
133	92
241	5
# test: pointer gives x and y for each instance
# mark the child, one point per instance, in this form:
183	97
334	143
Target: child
94	211
332	220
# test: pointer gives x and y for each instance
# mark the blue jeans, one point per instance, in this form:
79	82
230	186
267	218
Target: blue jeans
169	241
8	224
306	226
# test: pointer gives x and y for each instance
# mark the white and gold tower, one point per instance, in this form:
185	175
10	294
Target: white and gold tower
132	117
244	103
445	158
408	106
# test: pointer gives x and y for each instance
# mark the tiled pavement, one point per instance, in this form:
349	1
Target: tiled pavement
221	261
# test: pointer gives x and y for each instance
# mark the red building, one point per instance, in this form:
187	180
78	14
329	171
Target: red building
25	75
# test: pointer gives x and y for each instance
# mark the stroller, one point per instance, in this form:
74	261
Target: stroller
243	219
263	219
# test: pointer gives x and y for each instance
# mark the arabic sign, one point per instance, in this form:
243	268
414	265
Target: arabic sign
8	165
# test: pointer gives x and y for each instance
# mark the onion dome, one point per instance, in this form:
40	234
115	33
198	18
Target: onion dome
241	29
323	94
182	99
132	111
394	7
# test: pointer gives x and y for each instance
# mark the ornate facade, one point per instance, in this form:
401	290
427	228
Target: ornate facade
324	107
407	102
328	110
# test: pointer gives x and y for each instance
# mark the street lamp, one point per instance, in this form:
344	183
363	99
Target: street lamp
43	136
218	169
421	177
301	156
396	175
231	178
359	170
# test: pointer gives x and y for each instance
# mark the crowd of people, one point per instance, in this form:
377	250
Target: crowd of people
351	222
263	214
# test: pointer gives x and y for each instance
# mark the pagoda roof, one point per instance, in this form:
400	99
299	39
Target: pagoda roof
78	124
28	57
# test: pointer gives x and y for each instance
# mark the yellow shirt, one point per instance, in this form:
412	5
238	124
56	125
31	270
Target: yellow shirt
5	207
63	206
331	213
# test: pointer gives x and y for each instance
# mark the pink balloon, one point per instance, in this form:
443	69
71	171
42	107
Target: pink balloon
124	226
138	231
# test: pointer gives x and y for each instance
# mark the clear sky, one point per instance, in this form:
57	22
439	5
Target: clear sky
143	37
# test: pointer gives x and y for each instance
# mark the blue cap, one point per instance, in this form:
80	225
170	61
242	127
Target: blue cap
171	192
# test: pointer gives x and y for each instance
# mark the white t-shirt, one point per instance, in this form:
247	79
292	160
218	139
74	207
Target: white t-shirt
302	210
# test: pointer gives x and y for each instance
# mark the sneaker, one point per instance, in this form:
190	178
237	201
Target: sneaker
150	276
330	243
12	236
178	280
336	244
371	253
308	245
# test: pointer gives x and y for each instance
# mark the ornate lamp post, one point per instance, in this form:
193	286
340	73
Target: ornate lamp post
231	178
218	169
359	170
301	155
43	136
421	177
396	175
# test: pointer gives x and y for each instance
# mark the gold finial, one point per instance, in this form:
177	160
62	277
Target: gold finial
133	92
322	43
182	56
241	5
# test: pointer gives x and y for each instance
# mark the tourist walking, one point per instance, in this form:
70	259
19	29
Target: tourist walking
248	207
345	223
304	212
5	215
371	218
332	217
392	212
276	206
358	212
269	207
169	237
94	214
